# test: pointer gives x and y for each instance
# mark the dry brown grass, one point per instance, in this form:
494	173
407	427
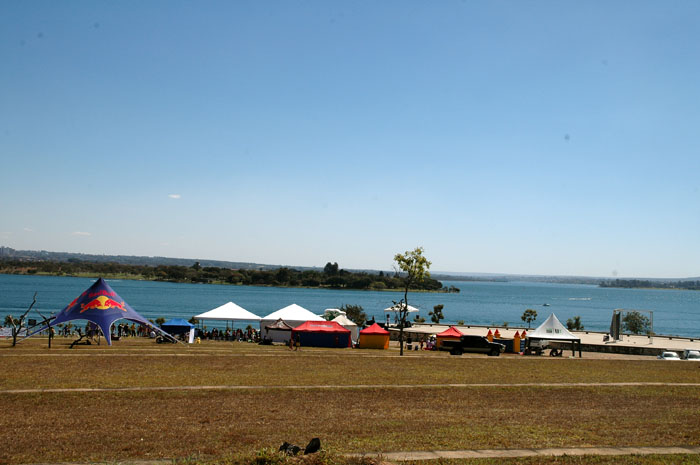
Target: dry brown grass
54	427
139	362
111	426
679	459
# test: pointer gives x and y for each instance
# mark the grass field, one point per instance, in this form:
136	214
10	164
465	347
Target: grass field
378	402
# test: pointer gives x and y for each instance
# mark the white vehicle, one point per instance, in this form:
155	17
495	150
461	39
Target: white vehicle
691	355
536	346
668	356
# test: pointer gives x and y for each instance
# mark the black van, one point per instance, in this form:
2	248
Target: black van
474	344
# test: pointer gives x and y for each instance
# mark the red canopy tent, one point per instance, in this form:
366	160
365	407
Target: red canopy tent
322	334
450	334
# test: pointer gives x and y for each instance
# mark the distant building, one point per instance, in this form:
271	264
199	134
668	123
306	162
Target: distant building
6	251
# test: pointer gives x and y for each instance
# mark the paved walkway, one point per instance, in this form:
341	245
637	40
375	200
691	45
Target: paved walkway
511	453
587	337
336	386
475	454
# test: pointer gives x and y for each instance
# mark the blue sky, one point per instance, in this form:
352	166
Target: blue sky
535	137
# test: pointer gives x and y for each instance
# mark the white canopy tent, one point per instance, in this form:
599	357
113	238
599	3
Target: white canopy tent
348	324
228	311
553	330
398	307
293	315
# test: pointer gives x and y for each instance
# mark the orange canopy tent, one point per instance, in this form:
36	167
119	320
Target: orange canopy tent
450	334
374	337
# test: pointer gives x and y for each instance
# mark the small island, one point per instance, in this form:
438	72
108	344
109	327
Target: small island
331	276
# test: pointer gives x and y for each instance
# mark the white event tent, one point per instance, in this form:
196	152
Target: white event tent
553	330
348	324
293	315
396	309
228	311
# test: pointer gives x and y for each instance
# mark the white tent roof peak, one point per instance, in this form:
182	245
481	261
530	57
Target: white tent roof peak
343	320
399	306
336	310
228	311
552	329
293	312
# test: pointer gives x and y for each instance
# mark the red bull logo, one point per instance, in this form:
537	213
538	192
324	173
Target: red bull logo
75	301
102	303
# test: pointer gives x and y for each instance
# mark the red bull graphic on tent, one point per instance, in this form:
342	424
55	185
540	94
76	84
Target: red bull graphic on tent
102	306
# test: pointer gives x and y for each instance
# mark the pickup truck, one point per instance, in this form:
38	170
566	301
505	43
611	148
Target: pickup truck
473	344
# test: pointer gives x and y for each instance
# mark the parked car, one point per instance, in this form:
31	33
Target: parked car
474	344
668	356
537	347
691	355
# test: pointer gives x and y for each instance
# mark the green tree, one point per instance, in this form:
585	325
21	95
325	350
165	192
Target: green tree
436	315
330	269
160	320
636	323
574	324
529	316
419	319
336	281
355	313
282	275
330	315
415	266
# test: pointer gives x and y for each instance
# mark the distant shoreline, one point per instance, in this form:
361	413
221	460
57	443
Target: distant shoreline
133	277
687	285
34	256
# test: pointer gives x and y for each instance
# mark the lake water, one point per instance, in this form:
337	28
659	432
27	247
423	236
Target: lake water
479	303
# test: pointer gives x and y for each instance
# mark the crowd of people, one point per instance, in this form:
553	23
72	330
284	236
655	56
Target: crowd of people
250	334
124	330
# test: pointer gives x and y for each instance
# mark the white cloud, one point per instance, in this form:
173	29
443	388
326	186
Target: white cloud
81	233
28	230
174	196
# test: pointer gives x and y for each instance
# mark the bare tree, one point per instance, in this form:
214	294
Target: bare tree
18	324
46	321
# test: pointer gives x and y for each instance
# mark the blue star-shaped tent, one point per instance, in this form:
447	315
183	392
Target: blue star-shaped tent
102	306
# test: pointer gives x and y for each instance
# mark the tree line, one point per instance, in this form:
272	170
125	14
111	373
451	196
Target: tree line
331	276
646	283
